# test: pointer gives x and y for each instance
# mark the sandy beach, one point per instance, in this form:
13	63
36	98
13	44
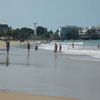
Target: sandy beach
12	43
3	43
16	96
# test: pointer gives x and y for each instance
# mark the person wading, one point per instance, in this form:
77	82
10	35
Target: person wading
55	47
28	46
60	47
36	47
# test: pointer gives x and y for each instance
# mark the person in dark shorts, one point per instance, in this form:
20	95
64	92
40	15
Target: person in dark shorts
60	47
72	45
36	47
55	47
7	46
28	46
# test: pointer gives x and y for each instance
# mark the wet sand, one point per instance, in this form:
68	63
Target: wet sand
19	96
45	73
16	96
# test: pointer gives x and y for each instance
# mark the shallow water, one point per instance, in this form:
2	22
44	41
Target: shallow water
44	72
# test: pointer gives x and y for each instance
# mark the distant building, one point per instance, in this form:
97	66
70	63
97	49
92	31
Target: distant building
4	28
97	31
90	32
83	33
69	32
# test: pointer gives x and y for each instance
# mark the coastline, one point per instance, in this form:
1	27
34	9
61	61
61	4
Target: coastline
17	96
12	43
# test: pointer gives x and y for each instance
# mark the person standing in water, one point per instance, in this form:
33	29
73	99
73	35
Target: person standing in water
98	46
36	47
60	47
72	45
28	46
55	48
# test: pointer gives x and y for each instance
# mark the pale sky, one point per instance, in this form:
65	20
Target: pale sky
49	13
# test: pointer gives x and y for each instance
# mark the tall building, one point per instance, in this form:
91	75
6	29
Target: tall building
67	31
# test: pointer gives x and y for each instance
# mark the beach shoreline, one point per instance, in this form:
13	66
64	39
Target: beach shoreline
13	43
20	96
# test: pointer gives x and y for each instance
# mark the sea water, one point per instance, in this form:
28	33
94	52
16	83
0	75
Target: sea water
81	47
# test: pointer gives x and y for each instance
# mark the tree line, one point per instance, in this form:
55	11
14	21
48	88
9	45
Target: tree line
27	33
43	33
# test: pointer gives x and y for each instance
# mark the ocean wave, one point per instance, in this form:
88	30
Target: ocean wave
78	50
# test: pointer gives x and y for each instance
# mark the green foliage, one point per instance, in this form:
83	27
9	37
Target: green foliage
43	33
40	31
25	33
19	34
56	35
2	33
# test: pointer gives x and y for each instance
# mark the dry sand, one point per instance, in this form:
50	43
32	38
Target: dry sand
12	43
16	96
3	44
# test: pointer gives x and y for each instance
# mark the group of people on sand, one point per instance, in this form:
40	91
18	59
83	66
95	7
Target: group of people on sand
28	46
56	47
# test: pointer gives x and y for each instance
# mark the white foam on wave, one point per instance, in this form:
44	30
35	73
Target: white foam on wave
78	50
76	43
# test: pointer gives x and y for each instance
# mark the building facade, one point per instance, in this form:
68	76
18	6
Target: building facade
4	28
69	32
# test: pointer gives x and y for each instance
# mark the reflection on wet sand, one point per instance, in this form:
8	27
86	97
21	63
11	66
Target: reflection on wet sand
55	60
28	58
4	60
7	60
49	73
